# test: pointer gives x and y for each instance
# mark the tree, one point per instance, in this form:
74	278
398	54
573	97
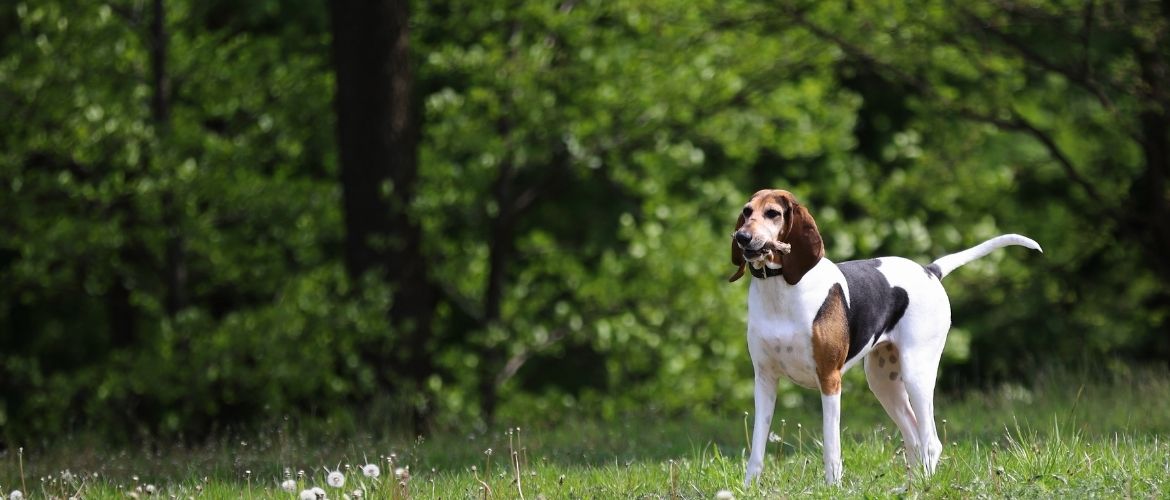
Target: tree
377	130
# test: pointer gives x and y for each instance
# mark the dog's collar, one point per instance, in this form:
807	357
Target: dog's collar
763	272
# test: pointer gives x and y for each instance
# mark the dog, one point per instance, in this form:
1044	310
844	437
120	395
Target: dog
810	320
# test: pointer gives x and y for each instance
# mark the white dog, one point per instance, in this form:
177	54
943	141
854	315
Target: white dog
810	320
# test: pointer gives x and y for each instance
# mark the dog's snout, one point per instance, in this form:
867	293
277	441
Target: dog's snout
743	238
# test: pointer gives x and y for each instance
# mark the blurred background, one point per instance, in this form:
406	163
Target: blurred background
218	214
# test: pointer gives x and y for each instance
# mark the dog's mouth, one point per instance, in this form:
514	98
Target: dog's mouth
754	255
755	251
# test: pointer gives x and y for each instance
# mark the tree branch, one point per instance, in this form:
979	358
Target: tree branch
1015	123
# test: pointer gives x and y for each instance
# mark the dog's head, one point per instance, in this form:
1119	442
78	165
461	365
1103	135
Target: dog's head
773	215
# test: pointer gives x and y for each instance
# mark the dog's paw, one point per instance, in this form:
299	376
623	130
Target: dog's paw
753	473
833	472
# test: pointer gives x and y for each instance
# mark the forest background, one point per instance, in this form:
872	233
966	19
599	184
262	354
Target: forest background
218	214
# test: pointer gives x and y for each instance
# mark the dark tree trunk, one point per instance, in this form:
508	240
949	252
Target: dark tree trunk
501	243
174	257
377	131
1150	208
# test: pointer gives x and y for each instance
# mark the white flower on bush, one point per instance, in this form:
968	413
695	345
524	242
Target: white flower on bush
371	470
289	485
335	479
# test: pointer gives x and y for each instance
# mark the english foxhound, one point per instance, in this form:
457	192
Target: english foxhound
810	320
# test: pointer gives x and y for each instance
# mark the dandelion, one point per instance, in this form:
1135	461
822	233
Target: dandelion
402	474
307	495
773	438
319	492
288	485
371	470
724	495
16	495
150	490
356	493
335	479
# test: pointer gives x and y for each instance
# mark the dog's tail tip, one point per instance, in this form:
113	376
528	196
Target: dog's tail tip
1021	240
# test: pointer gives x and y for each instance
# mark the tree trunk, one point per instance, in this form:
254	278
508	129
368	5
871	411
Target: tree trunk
501	243
174	257
377	132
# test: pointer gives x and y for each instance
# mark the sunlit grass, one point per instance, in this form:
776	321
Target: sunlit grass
1063	436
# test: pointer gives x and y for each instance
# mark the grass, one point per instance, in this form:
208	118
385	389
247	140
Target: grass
1064	436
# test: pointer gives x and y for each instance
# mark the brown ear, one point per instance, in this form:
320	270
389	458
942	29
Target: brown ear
807	247
736	252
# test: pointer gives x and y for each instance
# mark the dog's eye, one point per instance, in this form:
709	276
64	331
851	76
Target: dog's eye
772	214
747	212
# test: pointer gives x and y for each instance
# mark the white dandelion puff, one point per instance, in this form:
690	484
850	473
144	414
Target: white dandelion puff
724	495
335	479
150	489
357	493
16	495
371	470
319	492
402	474
288	485
307	495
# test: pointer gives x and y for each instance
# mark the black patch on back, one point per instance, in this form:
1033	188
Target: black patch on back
934	270
874	306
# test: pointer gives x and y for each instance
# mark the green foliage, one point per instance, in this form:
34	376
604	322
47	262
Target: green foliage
181	272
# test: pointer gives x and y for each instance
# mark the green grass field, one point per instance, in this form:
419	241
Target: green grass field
1065	436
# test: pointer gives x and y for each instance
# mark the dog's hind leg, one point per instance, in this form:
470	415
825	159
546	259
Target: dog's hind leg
919	373
882	367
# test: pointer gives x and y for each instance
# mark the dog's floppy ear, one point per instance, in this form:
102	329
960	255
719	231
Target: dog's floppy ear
736	252
807	247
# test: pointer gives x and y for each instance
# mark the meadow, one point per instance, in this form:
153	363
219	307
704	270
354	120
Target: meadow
1079	434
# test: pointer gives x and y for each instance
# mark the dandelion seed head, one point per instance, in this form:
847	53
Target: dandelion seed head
16	494
724	495
335	479
150	489
357	493
402	474
288	485
307	495
371	470
319	492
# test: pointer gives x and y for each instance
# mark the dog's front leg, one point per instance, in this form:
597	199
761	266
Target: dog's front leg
765	404
831	416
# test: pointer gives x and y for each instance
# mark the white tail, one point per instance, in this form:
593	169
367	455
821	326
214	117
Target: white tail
944	265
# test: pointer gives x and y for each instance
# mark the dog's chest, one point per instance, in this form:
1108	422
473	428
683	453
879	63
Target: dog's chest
780	335
780	349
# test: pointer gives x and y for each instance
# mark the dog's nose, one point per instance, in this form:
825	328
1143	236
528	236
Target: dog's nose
743	238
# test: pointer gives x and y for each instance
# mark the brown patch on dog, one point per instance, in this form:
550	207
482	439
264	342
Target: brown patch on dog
830	340
737	253
805	238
